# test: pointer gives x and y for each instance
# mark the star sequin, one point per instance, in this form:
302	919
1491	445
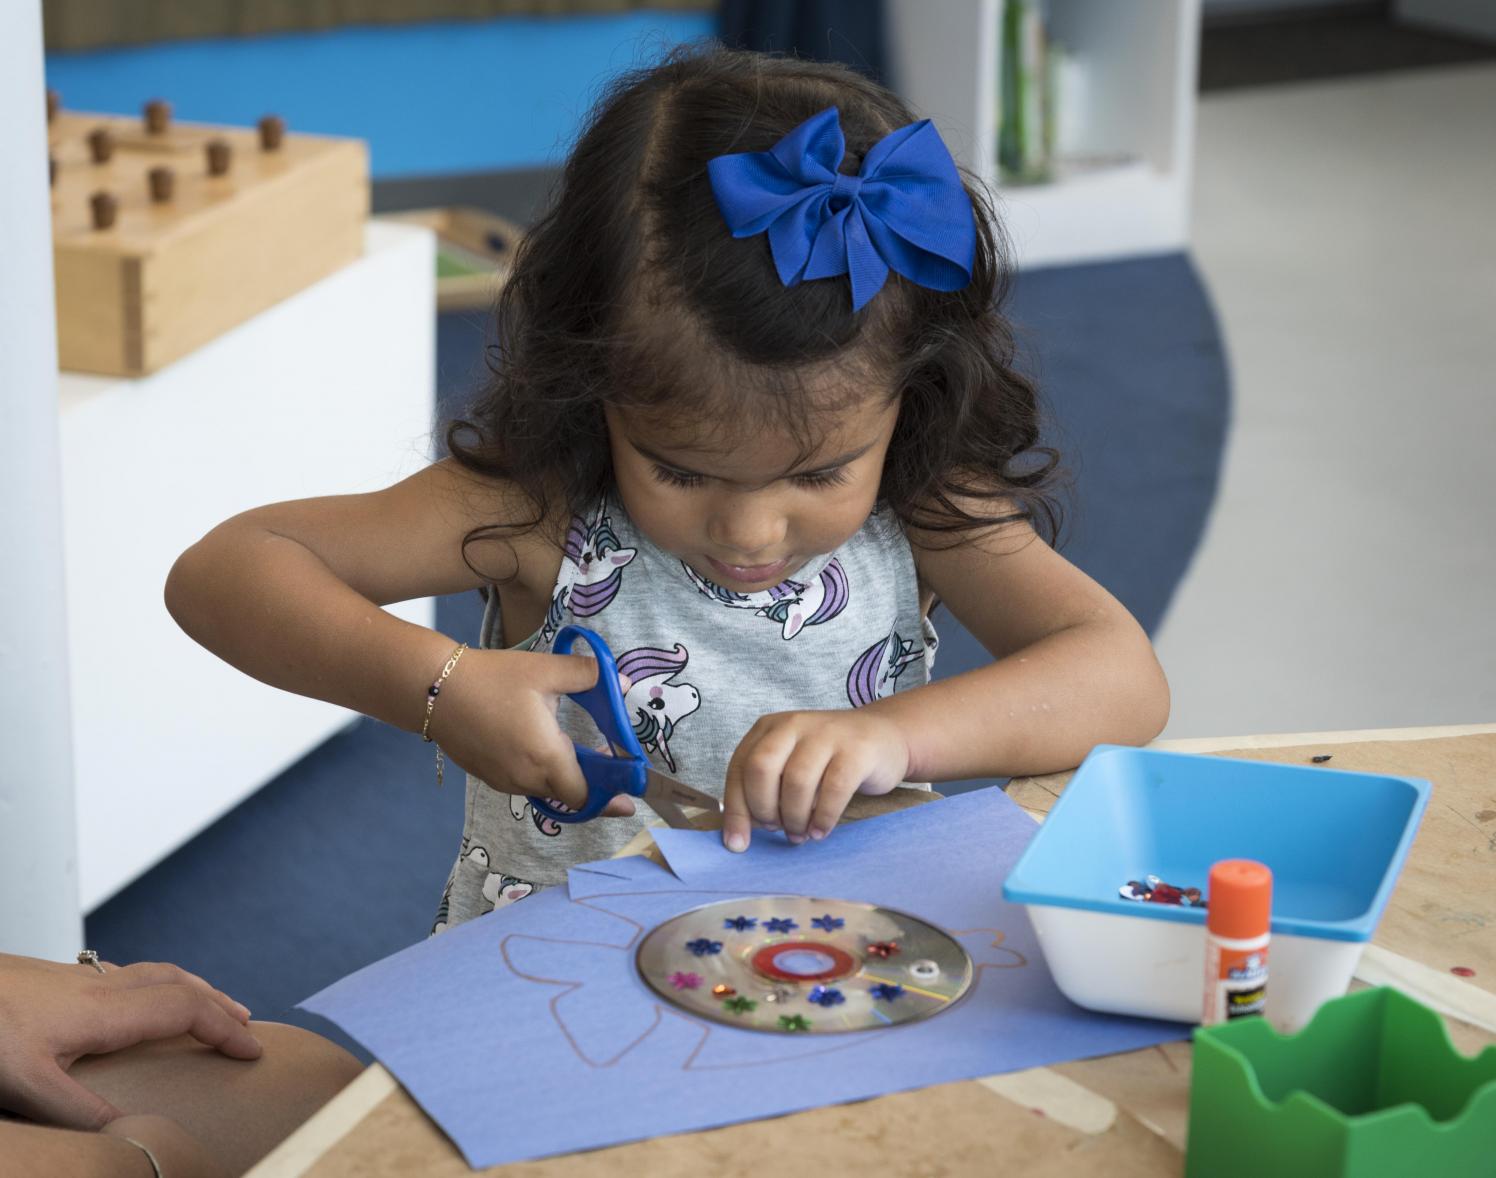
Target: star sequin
723	990
793	1022
739	1005
685	981
884	949
886	991
740	924
703	947
828	922
826	996
780	924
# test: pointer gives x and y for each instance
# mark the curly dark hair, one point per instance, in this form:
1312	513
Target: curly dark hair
630	292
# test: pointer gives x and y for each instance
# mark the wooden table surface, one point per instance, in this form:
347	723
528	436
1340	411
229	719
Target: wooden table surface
1117	1116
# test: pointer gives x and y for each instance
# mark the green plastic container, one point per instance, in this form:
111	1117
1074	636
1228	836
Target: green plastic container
1371	1088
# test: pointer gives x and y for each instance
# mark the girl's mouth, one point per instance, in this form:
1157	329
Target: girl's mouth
750	574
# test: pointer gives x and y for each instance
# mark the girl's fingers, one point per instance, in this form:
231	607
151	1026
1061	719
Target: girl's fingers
160	973
737	823
570	672
565	781
799	783
842	778
762	770
621	806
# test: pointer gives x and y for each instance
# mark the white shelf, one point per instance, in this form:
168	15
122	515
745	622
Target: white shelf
1139	59
328	392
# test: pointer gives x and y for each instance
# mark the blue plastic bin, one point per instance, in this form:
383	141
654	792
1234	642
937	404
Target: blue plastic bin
1335	841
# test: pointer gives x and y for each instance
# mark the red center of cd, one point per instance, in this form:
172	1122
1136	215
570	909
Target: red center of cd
803	961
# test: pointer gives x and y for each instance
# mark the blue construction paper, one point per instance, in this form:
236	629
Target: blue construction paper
527	1032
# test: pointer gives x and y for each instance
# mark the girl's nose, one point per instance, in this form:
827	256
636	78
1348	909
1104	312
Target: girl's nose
744	528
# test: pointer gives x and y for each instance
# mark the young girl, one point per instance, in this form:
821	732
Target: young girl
752	413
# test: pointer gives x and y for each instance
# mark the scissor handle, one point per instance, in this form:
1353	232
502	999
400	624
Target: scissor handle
607	776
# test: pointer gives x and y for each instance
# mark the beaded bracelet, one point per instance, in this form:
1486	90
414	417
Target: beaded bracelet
431	693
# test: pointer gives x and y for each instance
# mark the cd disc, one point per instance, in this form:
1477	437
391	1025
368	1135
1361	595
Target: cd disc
797	964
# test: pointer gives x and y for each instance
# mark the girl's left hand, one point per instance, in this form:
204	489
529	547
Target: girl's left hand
796	771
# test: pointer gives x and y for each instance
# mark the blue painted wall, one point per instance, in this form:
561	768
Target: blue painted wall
431	99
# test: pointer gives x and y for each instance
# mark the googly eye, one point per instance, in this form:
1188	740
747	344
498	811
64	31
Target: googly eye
925	971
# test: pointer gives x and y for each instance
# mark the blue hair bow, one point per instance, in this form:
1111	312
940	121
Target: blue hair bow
905	210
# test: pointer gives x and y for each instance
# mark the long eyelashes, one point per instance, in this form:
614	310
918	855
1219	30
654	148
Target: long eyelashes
675	478
678	478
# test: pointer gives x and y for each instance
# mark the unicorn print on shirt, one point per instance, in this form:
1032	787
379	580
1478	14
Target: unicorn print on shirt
654	703
796	606
600	560
793	604
874	673
519	806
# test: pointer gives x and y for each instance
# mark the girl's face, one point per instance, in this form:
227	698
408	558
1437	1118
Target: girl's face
741	511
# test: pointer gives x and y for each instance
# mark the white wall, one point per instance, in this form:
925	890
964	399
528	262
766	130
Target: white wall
38	848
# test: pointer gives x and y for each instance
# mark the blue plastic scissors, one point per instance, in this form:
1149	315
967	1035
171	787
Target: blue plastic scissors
628	770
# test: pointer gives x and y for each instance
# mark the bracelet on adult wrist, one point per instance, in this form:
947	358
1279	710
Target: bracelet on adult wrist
149	1156
431	694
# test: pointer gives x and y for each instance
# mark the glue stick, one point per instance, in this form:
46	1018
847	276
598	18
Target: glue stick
1238	921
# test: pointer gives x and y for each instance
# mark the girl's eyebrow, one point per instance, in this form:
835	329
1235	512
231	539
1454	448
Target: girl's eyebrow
840	460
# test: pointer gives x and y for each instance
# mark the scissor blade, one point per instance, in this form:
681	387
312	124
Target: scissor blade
666	796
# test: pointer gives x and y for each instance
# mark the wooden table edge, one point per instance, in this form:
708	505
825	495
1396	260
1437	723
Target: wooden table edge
331	1123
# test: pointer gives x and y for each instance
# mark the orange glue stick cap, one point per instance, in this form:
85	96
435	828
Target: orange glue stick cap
1240	899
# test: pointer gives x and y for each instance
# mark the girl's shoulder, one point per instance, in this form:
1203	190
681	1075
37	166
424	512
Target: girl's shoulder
504	534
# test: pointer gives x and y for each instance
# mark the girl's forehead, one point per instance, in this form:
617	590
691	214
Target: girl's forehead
747	448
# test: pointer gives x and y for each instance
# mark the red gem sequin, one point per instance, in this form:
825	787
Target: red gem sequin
884	949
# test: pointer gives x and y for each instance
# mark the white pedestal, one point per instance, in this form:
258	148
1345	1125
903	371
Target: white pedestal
1138	59
331	391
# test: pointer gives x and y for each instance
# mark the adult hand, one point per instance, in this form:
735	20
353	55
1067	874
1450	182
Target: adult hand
52	1013
177	1152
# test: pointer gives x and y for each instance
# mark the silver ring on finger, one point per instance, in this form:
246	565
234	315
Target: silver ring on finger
90	957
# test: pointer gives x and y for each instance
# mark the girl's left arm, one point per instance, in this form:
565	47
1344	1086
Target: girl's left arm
1072	667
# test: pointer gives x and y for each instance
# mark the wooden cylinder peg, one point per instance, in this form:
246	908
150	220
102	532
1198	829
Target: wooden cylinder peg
272	132
105	209
54	104
162	181
157	116
101	144
219	155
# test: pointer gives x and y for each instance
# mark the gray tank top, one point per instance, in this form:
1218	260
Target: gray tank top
704	663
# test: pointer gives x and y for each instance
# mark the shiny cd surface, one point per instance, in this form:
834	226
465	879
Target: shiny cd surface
800	965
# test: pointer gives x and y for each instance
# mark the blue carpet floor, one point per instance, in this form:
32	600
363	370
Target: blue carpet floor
341	859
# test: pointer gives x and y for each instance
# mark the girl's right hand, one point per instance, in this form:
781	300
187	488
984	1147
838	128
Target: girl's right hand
496	717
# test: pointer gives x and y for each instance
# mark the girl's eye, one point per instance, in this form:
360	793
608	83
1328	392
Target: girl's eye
676	478
823	478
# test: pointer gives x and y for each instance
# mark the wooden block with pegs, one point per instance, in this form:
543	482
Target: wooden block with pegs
167	234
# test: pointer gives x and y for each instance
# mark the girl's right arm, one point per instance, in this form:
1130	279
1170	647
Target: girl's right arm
291	593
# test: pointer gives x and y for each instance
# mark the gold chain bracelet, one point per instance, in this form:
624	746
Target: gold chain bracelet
431	693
